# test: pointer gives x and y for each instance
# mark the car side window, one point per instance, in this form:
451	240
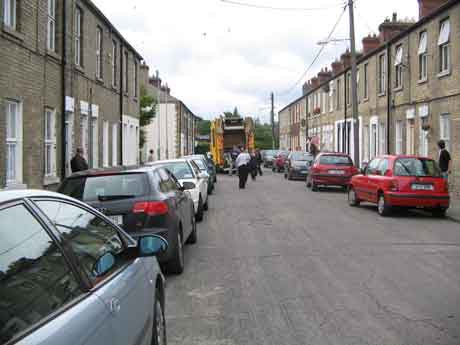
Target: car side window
383	167
167	185
175	184
89	236
373	167
195	168
35	279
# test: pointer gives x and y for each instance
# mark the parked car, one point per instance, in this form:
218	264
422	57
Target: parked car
298	165
68	272
192	179
269	157
331	169
401	181
205	166
279	162
142	201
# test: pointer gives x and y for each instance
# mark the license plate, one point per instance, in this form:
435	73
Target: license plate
336	172
422	187
117	219
304	171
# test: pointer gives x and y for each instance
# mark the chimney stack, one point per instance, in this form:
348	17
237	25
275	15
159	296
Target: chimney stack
426	7
370	43
389	29
337	67
324	76
346	59
306	87
314	82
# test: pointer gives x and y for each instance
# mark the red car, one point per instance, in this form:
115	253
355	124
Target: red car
401	181
280	161
331	169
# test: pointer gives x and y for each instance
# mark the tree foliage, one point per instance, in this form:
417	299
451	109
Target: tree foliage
263	136
148	112
234	114
204	127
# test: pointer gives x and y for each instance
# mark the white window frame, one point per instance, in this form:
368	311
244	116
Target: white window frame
126	71
114	62
444	47
95	142
84	128
78	36
366	82
399	67
50	143
399	137
99	52
365	148
331	96
382	138
115	144
10	13
51	37
423	56
445	129
381	70
338	95
410	136
136	78
423	141
13	143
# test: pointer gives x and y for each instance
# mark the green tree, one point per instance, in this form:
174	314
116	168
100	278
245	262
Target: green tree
148	112
263	136
234	114
204	127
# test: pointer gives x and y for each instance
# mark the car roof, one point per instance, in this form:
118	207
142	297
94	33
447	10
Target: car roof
111	171
11	195
403	156
334	154
180	160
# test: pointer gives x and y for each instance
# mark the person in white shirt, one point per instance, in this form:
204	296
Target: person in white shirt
242	164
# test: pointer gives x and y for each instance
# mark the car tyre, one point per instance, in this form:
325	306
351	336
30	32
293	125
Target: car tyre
353	198
193	238
382	206
439	212
199	214
206	205
176	263
159	322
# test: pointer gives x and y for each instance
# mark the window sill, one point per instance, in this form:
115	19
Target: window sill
444	74
79	69
422	81
398	89
382	94
54	55
15	186
135	99
115	88
51	180
14	33
99	80
365	100
126	94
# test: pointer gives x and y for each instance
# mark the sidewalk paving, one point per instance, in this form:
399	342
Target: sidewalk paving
454	210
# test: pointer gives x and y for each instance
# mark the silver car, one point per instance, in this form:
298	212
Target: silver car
68	275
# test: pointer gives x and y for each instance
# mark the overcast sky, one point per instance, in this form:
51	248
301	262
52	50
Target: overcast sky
216	56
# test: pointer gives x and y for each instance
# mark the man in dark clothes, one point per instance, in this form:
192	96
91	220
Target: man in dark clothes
253	166
444	159
78	162
242	164
260	161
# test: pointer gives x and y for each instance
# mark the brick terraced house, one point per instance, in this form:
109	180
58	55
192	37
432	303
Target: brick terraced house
408	92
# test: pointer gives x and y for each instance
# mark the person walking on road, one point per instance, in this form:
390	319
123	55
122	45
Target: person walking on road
78	162
242	164
234	155
253	166
260	161
445	160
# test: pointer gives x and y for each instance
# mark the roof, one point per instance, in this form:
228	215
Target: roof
111	170
11	195
448	5
114	29
180	160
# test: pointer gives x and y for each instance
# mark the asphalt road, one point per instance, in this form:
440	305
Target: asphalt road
277	264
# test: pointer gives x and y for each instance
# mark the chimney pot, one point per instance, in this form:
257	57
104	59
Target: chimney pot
428	6
395	17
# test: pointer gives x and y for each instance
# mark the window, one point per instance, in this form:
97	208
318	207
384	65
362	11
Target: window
374	140
382	139
366	84
357	85
444	132
84	126
444	46
114	63
167	184
99	53
399	137
105	144
78	36
89	236
366	144
51	42
9	13
95	142
35	278
331	96
416	167
383	167
423	57
381	74
114	145
50	142
373	166
126	73
410	135
13	143
399	67
348	87
423	141
135	79
338	93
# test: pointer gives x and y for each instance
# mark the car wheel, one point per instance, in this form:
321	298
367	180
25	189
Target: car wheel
439	212
206	205
382	207
289	176
285	176
159	323
314	187
199	214
176	263
193	238
352	197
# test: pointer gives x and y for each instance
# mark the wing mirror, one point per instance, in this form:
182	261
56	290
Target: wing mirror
151	245
103	264
188	185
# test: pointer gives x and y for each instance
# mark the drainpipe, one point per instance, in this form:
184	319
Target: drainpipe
389	102
122	53
63	66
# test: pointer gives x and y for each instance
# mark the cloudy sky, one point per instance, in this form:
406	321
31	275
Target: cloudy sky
216	56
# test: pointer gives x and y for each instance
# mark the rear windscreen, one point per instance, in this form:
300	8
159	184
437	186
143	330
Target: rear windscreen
335	160
200	164
93	188
416	167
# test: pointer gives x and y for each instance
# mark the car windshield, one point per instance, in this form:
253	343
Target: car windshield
335	160
106	187
416	167
181	170
301	156
201	164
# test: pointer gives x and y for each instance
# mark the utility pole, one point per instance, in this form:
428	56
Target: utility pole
354	91
272	119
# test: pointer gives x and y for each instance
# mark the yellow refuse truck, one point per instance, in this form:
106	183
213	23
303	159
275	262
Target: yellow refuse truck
226	133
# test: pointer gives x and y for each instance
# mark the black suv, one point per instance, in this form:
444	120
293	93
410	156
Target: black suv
141	201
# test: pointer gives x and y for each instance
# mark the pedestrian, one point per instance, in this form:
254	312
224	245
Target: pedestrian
253	166
260	161
234	154
445	161
242	164
78	162
151	157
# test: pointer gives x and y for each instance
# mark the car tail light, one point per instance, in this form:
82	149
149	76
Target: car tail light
151	208
394	186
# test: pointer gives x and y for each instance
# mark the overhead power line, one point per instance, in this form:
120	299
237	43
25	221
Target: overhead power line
320	51
294	9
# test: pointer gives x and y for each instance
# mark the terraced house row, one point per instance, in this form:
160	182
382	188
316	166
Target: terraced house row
68	79
408	92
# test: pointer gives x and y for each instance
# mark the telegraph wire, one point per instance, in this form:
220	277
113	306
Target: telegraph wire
294	9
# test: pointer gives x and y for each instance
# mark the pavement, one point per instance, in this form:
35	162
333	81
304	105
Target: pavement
276	264
454	210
